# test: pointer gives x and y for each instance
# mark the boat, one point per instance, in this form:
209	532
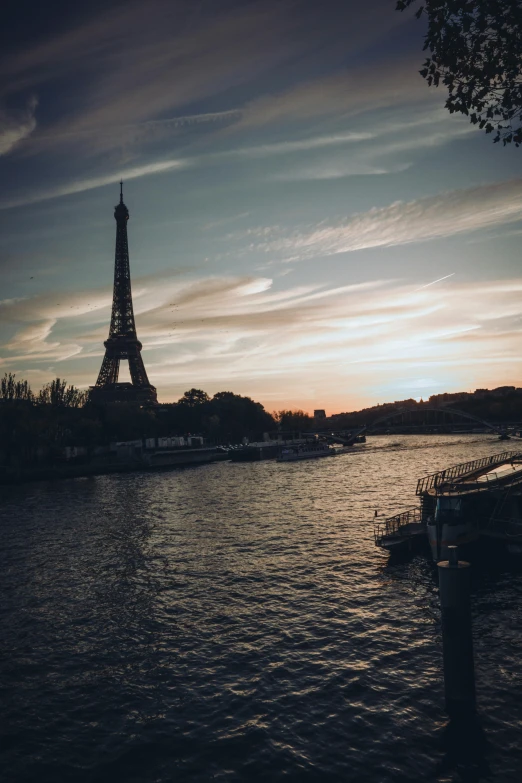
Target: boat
254	452
309	450
464	504
180	457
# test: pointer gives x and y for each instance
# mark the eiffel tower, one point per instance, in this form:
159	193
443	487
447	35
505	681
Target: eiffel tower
123	341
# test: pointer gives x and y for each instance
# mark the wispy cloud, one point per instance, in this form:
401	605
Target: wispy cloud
15	126
35	320
298	145
132	69
345	93
152	126
390	147
91	183
151	60
243	330
432	217
365	155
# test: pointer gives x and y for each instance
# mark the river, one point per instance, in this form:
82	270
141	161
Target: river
235	622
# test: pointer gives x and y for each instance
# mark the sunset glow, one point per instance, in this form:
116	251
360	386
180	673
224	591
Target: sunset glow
308	225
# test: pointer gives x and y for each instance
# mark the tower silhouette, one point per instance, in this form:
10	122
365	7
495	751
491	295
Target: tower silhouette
123	341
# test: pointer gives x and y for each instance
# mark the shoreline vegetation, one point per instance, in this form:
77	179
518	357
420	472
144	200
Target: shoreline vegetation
58	433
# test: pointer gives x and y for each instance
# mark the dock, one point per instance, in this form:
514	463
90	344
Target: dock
500	514
400	530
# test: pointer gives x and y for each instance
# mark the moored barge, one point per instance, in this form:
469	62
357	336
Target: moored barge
462	505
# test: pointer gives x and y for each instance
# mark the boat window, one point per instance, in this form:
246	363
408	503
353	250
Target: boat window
446	503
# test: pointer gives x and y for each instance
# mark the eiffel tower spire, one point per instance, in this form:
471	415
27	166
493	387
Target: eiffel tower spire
123	341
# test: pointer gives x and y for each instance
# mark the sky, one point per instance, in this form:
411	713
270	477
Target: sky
308	226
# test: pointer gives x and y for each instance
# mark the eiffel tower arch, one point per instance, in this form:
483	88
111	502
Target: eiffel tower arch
123	341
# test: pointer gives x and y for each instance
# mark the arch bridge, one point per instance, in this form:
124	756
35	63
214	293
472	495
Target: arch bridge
423	419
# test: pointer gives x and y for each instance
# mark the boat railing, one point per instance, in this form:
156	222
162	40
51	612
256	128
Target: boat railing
491	480
397	525
434	480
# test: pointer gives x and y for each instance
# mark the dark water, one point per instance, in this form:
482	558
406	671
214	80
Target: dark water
235	622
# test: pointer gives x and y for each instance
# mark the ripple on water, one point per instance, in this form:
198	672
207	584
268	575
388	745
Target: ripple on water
235	622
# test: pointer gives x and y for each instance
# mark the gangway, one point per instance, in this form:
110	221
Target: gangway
394	532
434	481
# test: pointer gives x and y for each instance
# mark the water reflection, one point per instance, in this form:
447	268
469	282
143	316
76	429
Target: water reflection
237	622
465	747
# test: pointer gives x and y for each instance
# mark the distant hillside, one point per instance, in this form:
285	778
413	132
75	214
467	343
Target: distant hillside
502	404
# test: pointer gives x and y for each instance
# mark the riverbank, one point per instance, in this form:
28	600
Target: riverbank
158	460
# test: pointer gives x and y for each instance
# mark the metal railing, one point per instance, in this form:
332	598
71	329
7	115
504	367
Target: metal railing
486	482
433	480
398	525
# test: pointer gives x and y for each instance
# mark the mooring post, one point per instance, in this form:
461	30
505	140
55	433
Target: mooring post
457	639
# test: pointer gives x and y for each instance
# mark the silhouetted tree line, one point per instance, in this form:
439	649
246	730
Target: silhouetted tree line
366	416
57	393
224	418
47	420
496	406
39	425
294	421
59	415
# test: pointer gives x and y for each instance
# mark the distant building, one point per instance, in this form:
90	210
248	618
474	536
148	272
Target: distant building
320	414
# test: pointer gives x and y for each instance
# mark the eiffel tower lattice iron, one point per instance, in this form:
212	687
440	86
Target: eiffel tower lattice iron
123	341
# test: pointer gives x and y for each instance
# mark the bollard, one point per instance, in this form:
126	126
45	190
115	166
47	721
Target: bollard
457	640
